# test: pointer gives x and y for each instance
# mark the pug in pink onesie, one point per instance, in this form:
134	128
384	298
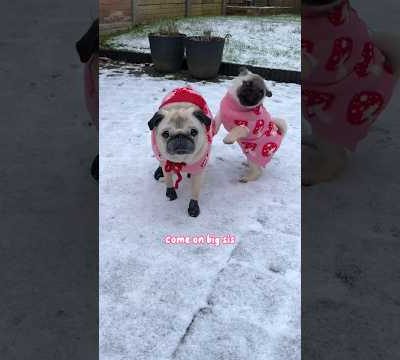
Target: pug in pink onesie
248	122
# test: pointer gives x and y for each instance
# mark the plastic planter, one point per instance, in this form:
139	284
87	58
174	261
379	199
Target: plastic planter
204	56
167	52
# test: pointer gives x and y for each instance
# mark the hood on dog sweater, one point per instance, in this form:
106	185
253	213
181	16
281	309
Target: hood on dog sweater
350	80
185	94
264	136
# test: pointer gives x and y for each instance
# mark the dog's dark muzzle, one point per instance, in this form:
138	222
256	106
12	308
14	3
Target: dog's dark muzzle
250	94
180	145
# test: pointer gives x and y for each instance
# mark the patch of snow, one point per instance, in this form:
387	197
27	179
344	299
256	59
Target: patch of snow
272	42
160	301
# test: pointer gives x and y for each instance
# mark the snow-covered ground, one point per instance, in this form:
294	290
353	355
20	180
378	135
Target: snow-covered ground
272	41
160	301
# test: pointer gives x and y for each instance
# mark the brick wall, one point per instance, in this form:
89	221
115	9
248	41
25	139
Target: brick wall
290	3
151	10
115	13
122	13
283	3
205	7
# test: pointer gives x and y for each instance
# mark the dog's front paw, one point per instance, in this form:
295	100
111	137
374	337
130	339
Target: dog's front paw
318	167
228	140
244	179
171	194
158	173
194	209
252	175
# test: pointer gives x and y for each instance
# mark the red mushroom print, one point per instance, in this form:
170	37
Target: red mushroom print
249	146
307	47
259	126
341	52
364	106
257	110
272	130
362	68
241	122
339	14
317	103
269	148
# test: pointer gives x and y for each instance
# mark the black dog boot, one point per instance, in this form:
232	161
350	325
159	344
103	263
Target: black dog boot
171	194
94	169
194	209
158	173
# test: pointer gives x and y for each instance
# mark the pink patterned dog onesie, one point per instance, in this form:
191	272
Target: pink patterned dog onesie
264	137
351	80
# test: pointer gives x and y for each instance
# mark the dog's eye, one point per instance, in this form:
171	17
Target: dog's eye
193	132
165	134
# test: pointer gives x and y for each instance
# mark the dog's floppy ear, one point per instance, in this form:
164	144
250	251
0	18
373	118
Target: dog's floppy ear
243	71
203	118
155	120
89	42
268	92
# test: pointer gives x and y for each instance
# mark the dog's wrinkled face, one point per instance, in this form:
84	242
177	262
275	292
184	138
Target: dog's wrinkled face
249	88
180	133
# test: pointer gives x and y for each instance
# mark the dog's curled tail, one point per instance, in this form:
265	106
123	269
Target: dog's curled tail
282	125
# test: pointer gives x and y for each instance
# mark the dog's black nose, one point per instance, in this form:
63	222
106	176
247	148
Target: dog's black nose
180	144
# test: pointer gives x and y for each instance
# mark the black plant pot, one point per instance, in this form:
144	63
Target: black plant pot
204	56
167	51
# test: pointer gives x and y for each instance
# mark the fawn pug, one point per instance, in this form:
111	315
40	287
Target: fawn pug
247	121
182	132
